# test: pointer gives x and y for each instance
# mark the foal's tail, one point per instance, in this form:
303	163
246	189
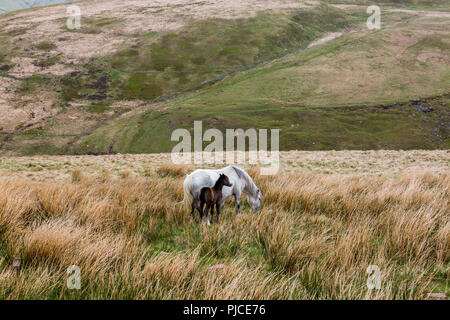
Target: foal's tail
188	198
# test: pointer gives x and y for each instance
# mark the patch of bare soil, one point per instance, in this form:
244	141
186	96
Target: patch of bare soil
402	84
58	69
400	43
328	37
26	111
9	116
348	6
75	120
286	102
80	48
23	67
424	57
26	67
134	107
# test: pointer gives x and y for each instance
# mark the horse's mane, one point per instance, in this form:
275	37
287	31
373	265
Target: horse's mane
244	175
219	181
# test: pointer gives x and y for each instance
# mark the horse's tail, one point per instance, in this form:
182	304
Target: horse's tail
188	198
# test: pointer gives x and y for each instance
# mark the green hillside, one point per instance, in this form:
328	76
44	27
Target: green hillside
380	89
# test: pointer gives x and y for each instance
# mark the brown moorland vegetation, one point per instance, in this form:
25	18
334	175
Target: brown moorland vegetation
314	238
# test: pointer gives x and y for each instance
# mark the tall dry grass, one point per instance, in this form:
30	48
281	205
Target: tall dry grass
313	239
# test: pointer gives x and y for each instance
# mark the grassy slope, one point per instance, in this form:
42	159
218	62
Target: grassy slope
177	61
302	93
164	63
327	97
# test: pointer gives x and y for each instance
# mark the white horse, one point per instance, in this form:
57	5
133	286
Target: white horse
240	180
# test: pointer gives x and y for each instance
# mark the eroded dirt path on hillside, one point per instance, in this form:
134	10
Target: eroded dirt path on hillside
325	39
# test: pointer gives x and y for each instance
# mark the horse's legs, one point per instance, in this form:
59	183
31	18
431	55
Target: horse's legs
237	200
192	209
196	205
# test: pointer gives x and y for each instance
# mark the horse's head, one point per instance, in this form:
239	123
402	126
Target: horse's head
226	181
223	180
255	200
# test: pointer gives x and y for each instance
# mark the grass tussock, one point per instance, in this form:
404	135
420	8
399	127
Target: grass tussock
77	175
171	170
314	238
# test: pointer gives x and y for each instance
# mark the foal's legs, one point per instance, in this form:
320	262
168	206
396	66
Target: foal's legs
202	205
218	209
212	214
206	212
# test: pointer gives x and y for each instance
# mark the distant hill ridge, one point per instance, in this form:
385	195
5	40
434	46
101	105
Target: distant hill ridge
11	5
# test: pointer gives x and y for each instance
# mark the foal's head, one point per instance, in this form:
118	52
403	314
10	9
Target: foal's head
222	181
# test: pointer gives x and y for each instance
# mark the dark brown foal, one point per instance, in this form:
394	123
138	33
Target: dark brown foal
213	197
